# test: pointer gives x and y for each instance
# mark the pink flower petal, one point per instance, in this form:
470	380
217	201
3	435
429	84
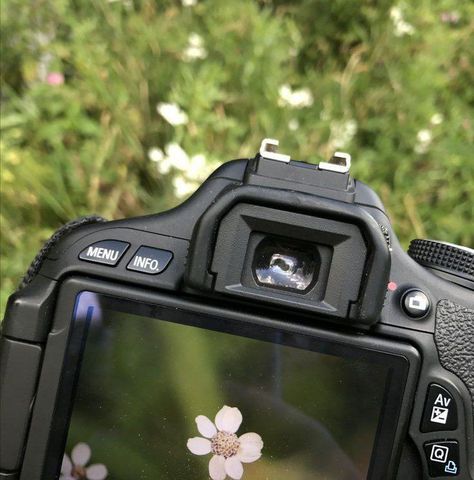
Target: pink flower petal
96	472
217	468
234	468
55	78
66	466
205	426
228	419
81	454
199	445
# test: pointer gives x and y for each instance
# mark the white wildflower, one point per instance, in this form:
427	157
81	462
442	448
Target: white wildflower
172	113
75	468
178	158
228	450
195	49
193	169
342	133
424	138
164	165
437	119
175	157
293	124
295	98
420	148
183	187
155	154
189	3
197	166
401	27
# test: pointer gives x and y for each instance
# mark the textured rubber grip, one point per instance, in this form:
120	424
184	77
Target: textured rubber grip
454	336
60	233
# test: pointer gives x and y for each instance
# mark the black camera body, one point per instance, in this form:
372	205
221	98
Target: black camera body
294	255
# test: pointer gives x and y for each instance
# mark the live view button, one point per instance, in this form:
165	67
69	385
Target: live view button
106	252
150	260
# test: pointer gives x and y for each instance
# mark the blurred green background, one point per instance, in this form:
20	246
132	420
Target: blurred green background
122	107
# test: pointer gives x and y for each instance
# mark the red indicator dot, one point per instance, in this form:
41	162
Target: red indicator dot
392	286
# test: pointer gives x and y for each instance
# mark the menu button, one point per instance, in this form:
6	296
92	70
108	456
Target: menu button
106	252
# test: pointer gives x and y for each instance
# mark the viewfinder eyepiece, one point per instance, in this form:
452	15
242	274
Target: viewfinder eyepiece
284	265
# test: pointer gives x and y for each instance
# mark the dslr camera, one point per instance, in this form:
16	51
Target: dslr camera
270	327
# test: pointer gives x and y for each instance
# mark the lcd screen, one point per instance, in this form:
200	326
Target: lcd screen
172	395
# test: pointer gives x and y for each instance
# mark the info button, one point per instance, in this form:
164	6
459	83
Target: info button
150	260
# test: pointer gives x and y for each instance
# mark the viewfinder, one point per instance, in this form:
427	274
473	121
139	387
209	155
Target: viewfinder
284	264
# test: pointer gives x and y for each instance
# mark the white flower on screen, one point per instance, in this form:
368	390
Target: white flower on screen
75	468
228	450
400	26
299	98
189	3
172	113
195	49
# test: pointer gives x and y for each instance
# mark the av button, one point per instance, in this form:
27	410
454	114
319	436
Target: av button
442	458
150	260
107	252
440	410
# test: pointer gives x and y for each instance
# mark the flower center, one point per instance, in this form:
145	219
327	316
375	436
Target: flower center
78	472
225	444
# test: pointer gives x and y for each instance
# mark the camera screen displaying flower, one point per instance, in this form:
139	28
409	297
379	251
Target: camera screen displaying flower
164	394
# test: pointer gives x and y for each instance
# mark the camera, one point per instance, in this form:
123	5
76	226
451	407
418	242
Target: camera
271	326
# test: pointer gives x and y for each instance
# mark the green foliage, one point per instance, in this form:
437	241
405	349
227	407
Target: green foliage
392	83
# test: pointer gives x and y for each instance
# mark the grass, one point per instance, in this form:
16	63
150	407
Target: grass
391	83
